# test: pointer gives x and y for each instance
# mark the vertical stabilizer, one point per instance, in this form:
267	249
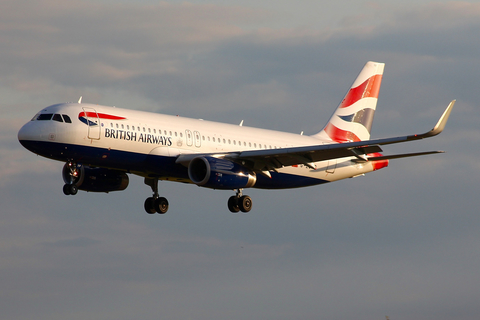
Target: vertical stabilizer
352	121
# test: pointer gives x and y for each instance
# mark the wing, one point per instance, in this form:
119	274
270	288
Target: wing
271	159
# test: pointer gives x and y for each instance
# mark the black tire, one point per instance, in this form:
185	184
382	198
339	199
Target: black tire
73	189
161	205
233	204
150	205
66	189
245	204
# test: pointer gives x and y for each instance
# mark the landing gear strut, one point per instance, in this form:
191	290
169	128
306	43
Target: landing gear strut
239	202
155	203
73	177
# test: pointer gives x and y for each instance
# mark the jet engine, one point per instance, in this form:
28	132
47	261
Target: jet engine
218	173
93	179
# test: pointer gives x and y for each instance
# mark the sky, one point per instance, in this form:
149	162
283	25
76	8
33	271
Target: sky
401	242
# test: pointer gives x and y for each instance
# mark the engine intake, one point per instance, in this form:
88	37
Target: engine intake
218	173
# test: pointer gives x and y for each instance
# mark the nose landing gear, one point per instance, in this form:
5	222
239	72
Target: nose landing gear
73	175
70	189
239	202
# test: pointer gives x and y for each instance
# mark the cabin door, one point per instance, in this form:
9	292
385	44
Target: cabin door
93	122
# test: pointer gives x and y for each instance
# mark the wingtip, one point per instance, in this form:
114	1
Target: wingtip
446	114
442	122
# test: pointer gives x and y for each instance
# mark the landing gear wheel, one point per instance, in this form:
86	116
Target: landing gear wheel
66	189
73	189
233	204
245	203
150	205
70	189
161	205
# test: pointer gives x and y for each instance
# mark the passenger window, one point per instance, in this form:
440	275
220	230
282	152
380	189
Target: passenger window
116	125
45	116
66	118
123	126
213	139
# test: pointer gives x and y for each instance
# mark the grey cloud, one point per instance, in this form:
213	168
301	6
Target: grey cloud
400	242
77	242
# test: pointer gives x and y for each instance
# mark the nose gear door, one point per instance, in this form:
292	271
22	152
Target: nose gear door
93	123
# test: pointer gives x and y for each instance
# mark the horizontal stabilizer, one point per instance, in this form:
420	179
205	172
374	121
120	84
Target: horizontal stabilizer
403	155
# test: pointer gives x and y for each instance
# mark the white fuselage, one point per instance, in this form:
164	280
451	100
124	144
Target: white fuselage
147	144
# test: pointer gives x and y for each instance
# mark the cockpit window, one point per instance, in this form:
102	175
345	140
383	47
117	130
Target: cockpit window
54	117
35	117
45	116
57	117
66	118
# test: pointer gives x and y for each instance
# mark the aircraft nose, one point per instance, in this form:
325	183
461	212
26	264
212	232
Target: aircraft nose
23	133
26	134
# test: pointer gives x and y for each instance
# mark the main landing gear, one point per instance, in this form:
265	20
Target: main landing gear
239	202
155	204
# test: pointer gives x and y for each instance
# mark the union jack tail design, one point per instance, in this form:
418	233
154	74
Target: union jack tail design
352	121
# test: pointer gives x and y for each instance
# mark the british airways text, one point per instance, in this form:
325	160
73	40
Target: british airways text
140	137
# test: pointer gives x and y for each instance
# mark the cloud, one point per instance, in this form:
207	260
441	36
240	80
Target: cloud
90	42
401	241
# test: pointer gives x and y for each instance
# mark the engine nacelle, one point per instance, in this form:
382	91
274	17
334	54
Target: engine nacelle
94	179
217	173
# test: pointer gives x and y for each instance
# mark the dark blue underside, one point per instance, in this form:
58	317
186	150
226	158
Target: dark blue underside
153	166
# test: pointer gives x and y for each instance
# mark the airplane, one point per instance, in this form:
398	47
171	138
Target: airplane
100	145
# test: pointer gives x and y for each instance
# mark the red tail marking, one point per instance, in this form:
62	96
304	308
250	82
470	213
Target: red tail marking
340	135
370	88
379	164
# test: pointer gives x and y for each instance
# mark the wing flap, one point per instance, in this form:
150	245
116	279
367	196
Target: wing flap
277	158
